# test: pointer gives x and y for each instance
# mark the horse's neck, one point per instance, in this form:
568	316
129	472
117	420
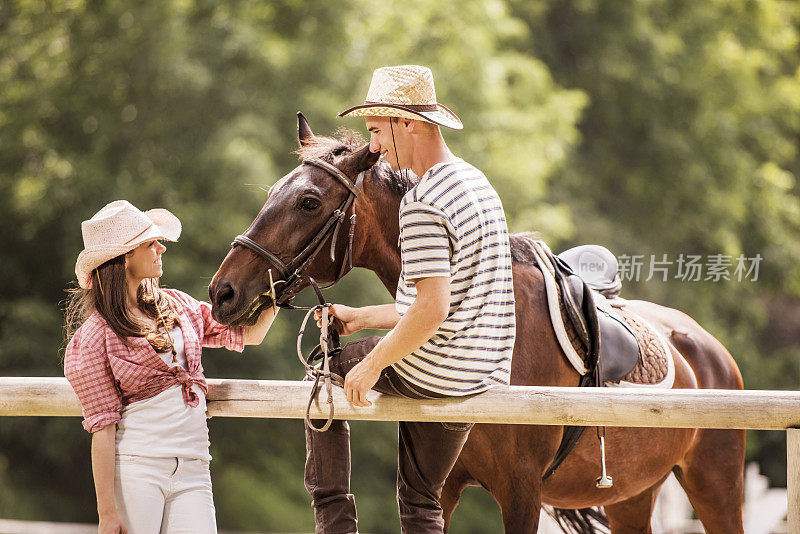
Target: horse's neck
378	230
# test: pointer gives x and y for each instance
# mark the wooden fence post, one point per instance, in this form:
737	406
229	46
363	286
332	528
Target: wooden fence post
793	479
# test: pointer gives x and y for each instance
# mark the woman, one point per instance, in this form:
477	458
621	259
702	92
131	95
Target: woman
134	363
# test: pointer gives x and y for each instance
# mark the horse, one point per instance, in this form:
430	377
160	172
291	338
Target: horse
507	460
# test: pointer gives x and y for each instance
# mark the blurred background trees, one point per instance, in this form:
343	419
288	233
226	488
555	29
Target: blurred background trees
653	127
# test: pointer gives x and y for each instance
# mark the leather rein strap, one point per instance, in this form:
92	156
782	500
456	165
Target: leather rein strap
323	370
290	274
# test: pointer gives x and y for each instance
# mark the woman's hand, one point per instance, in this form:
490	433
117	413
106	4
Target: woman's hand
254	334
103	460
111	524
348	318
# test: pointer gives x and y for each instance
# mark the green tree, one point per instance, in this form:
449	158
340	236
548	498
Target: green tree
653	127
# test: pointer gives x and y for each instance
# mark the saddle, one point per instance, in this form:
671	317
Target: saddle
579	282
587	277
595	268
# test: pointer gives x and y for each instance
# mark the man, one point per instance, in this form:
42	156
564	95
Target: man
452	326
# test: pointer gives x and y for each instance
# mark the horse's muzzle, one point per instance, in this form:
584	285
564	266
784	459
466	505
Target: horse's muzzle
223	302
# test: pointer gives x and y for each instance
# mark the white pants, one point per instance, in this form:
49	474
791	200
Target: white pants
164	495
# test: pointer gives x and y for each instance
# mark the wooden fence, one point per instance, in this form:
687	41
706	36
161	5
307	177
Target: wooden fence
631	407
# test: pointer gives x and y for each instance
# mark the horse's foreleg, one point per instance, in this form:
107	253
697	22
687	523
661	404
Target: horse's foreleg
712	474
520	500
632	516
508	461
517	484
457	480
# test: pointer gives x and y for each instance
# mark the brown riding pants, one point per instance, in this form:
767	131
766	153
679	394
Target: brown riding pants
427	453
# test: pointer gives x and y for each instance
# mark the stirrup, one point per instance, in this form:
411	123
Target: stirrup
604	481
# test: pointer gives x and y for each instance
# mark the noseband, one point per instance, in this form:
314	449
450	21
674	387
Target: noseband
290	274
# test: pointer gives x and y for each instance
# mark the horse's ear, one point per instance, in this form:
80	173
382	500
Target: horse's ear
359	160
304	133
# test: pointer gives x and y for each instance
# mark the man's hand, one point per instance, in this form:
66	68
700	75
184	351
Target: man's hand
420	322
348	318
380	317
361	379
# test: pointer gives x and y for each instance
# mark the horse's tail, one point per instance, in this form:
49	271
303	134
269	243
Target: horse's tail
583	521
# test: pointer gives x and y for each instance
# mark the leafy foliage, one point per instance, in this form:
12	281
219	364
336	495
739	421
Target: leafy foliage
653	127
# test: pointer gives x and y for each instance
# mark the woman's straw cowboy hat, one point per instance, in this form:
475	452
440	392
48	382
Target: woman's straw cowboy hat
119	228
406	91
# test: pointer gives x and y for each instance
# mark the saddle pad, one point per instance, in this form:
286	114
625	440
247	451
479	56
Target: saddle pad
572	334
655	366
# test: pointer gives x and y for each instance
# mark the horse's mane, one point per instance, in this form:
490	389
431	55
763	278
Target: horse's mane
326	148
521	247
345	142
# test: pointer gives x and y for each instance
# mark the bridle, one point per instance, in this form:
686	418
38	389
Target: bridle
290	275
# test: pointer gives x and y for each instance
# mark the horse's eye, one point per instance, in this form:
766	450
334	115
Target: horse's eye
309	203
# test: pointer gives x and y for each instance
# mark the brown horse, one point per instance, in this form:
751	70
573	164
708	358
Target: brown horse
507	460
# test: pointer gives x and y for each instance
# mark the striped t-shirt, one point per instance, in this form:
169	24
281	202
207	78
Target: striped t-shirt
452	224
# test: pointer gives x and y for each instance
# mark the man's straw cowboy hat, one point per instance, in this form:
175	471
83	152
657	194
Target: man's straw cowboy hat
406	91
119	228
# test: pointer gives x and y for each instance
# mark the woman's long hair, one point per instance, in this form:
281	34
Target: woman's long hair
108	296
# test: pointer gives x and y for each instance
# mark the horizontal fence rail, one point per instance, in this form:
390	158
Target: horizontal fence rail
630	407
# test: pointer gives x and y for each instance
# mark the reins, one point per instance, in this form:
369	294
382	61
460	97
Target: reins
323	370
291	275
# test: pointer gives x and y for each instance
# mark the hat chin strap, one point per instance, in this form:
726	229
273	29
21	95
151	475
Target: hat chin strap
396	154
394	145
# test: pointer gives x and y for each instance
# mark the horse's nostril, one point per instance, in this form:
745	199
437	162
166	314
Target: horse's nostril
225	293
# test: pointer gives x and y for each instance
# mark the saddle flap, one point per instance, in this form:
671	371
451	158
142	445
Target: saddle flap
619	349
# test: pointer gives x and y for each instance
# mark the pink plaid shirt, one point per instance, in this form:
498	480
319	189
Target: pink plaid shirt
106	374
